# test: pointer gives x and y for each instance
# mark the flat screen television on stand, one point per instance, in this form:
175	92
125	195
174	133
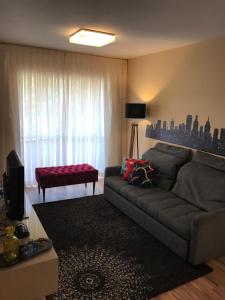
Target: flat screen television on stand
13	185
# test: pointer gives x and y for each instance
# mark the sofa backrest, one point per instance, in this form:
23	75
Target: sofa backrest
202	182
167	159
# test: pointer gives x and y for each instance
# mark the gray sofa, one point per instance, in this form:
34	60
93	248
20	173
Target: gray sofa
186	210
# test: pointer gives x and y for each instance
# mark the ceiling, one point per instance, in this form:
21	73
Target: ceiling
141	26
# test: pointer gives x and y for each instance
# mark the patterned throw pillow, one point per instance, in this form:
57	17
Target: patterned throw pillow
142	176
130	164
124	163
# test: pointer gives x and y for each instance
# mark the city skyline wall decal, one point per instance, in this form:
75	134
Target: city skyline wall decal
190	134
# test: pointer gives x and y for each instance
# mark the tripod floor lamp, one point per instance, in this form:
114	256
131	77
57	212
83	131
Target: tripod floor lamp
134	111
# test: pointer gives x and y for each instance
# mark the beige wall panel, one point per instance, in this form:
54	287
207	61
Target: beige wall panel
174	83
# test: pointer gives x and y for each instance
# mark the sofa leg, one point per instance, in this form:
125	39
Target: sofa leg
39	189
85	185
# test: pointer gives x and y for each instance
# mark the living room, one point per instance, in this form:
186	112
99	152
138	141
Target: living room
122	145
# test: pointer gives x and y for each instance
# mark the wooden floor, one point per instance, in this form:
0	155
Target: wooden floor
209	287
65	192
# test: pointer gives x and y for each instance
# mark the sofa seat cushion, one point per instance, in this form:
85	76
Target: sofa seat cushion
115	182
133	193
124	188
179	217
164	206
171	211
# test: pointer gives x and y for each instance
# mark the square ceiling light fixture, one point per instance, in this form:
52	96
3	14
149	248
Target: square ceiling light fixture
92	38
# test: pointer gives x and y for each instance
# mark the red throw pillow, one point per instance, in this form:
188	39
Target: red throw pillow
130	164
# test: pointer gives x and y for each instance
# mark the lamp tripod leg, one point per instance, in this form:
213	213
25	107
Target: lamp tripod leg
132	135
137	142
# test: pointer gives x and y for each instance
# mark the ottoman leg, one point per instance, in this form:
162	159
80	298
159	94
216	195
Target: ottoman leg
93	187
38	188
43	194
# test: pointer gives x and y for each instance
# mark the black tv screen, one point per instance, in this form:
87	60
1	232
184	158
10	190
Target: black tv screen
13	183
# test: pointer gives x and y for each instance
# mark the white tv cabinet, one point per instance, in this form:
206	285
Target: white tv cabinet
35	278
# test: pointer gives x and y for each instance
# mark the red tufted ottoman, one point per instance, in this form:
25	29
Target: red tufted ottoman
66	175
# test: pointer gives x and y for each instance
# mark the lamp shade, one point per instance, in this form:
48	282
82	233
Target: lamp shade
135	110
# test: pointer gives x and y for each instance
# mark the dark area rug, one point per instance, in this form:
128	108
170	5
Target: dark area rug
105	255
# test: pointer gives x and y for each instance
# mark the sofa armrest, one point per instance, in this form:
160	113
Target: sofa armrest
207	237
112	171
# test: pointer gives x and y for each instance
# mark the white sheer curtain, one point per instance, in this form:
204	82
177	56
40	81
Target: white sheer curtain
66	107
6	132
